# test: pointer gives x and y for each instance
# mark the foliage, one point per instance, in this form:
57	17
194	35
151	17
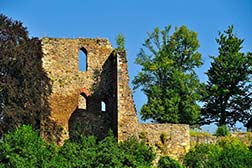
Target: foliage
228	97
203	156
80	154
222	131
163	137
143	135
109	154
23	83
137	152
197	133
167	162
228	152
168	76
129	153
120	42
24	148
234	153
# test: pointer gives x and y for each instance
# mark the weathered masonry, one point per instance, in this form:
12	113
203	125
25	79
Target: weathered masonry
90	95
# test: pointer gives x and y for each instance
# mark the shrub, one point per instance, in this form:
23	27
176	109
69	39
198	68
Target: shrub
24	148
120	42
203	156
167	162
163	137
234	153
129	153
222	131
138	154
82	154
229	152
108	153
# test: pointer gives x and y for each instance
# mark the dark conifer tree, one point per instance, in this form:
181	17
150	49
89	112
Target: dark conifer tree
229	96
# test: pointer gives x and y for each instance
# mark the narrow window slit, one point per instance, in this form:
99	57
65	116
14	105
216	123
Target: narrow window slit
82	59
103	106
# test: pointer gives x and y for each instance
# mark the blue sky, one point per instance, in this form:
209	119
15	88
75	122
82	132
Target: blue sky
133	18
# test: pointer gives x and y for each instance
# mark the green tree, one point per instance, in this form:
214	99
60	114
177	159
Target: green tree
228	97
168	76
23	83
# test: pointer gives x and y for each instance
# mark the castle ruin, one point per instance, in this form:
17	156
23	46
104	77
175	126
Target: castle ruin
98	98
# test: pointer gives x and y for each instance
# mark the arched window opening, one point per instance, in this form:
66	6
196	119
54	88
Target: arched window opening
82	102
82	59
103	106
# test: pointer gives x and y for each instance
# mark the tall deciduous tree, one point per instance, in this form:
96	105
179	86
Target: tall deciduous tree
168	76
23	83
228	98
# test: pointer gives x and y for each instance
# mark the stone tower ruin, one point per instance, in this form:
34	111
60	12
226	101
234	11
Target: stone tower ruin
98	98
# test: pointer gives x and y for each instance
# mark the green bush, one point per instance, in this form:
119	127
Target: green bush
108	153
203	156
24	148
129	153
167	162
138	154
229	153
82	154
234	153
163	137
222	131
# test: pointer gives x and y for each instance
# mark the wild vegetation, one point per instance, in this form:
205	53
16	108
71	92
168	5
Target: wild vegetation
25	148
120	42
229	152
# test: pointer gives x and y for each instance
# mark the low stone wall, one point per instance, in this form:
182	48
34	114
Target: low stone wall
245	137
167	139
201	138
204	138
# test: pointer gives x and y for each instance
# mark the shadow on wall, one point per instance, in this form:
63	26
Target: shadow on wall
96	114
84	121
49	129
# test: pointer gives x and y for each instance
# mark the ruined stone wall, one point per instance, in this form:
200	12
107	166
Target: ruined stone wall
127	117
167	139
60	62
203	138
106	79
